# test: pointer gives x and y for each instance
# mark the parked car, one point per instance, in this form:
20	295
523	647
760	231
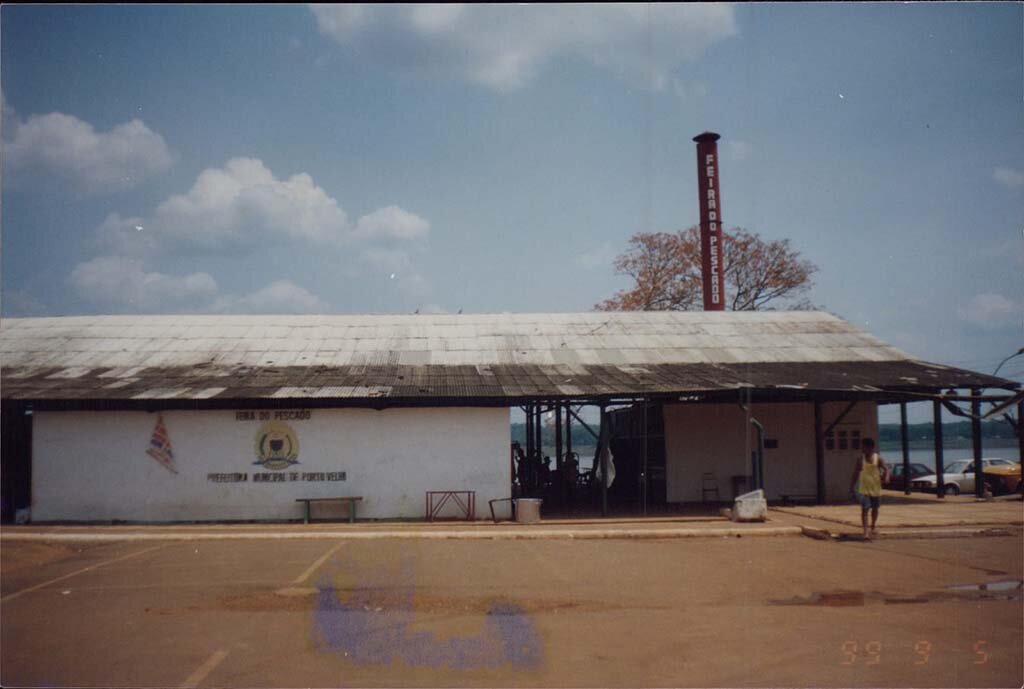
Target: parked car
896	482
958	477
1003	479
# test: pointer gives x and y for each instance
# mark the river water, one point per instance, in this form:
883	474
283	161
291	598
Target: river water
927	457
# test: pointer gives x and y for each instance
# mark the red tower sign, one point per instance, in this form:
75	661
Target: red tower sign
711	253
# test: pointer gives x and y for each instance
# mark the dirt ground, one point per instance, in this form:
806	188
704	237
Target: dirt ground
766	611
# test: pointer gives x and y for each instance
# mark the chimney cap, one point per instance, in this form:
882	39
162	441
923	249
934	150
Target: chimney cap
707	137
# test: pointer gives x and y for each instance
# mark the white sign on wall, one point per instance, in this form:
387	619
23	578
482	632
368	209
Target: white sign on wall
276	445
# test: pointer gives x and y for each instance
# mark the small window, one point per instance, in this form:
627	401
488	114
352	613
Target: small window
771	443
830	441
843	442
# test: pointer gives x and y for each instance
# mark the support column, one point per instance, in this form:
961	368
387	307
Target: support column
937	432
529	432
1020	431
906	448
979	481
602	443
819	453
643	471
559	459
538	434
568	429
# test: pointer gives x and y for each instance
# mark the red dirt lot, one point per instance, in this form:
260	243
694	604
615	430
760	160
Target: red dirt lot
768	611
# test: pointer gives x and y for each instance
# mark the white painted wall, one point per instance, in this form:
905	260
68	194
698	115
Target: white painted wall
839	463
719	438
94	466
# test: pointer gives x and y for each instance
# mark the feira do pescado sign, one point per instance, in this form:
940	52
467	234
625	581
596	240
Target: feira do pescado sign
712	277
276	448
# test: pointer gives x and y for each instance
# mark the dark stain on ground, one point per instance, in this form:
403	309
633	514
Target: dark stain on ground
1002	590
836	599
379	600
374	600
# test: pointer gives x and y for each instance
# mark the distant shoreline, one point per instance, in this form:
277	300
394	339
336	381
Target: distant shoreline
950	444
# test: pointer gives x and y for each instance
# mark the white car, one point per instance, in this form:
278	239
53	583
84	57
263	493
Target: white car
957	477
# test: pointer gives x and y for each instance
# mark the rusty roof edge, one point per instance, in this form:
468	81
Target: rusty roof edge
987	380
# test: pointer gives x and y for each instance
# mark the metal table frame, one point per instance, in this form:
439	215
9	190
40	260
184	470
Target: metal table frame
437	499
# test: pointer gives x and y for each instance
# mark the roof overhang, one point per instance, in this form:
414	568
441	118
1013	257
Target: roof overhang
488	385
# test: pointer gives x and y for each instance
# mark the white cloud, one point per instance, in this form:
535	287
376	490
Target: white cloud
10	120
505	46
992	311
73	154
121	284
391	223
1009	178
281	296
241	207
243	204
128	236
117	284
395	267
392	263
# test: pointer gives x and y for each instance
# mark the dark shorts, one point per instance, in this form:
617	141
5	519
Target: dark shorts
868	501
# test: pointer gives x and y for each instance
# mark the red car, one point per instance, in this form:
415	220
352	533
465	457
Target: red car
896	480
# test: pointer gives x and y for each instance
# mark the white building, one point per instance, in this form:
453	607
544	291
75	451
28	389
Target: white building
193	418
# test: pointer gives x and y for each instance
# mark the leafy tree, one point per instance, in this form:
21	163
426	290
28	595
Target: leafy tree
666	270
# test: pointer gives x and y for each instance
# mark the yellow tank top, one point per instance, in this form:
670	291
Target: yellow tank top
870	479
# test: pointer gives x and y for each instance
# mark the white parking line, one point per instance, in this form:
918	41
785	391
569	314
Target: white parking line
14	595
313	567
205	669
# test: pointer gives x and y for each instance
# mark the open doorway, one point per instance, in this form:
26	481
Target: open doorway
16	450
556	455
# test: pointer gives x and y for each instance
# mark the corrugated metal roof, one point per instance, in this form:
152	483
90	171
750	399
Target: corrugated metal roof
450	357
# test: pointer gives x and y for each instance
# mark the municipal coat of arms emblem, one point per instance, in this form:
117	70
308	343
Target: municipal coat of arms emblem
277	446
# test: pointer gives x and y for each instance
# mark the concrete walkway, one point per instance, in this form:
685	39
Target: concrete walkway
684	527
921	510
910	516
901	516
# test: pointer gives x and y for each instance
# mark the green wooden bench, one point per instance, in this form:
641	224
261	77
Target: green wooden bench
350	500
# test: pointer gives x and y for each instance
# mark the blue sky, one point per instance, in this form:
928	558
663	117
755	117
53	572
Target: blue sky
360	159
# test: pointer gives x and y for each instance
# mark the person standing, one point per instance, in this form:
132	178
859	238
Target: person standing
866	484
570	474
